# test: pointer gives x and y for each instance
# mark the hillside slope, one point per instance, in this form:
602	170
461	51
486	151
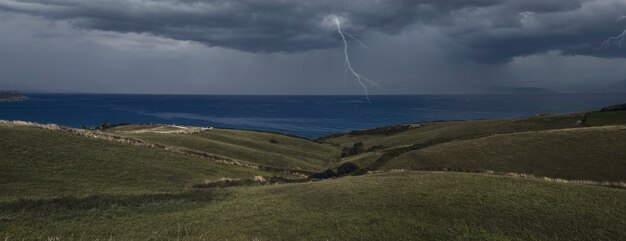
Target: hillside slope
68	184
264	148
595	153
556	146
439	132
38	163
391	206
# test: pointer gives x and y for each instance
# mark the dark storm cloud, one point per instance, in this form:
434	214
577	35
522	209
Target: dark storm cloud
519	28
484	30
248	25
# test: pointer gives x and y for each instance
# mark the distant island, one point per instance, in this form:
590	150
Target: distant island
11	96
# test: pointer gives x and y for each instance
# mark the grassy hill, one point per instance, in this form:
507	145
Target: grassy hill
69	185
391	206
41	163
363	159
264	148
597	153
578	146
601	118
438	132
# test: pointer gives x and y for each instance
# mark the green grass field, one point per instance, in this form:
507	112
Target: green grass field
392	206
39	163
555	146
55	185
606	118
436	132
363	159
256	147
597	154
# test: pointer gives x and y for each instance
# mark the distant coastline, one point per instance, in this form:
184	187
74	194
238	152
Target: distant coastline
11	96
305	116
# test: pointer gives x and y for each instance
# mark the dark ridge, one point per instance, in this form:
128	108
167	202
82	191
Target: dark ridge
386	130
105	126
621	107
382	131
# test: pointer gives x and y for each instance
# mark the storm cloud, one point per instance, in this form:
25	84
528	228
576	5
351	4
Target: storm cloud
290	47
481	30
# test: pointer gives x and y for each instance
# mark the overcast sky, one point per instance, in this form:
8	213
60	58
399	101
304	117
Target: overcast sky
291	47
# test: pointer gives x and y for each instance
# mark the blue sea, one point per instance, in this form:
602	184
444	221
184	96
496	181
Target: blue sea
307	116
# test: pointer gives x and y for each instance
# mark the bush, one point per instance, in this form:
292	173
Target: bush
104	126
354	150
324	175
273	141
347	168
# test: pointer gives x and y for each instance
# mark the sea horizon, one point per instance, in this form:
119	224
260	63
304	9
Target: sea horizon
309	116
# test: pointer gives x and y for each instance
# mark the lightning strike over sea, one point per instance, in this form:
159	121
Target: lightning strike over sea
348	64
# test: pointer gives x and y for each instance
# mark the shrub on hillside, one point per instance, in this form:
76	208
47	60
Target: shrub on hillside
354	150
347	168
324	175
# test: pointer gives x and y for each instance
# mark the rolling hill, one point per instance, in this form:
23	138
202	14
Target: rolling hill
390	206
140	182
439	132
578	146
43	163
597	154
271	149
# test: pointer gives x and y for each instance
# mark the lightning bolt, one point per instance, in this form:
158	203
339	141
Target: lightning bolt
357	40
618	39
348	65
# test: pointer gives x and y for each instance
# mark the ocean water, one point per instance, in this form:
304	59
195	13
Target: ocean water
307	116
